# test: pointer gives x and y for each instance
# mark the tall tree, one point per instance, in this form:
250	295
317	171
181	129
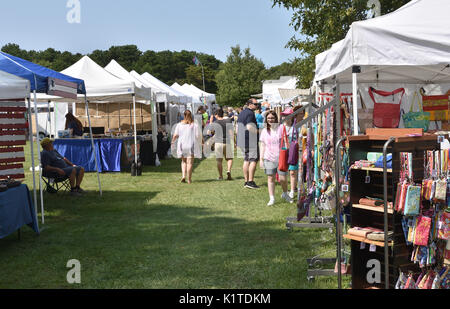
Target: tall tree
321	23
239	77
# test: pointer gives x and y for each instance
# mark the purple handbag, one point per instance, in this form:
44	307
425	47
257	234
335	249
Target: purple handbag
294	147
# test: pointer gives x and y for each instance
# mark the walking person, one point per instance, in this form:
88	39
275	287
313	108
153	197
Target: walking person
224	142
188	134
270	144
248	136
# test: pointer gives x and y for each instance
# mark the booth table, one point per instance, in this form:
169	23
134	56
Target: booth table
113	154
16	210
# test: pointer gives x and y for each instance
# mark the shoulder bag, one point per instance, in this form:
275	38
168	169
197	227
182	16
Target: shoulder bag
386	115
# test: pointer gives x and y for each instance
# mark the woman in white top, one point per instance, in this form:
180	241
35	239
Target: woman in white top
188	135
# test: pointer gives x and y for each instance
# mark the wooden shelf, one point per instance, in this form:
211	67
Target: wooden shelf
372	169
367	241
372	208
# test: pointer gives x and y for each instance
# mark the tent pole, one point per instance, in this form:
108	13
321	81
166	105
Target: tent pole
92	141
355	101
154	125
30	137
135	130
39	157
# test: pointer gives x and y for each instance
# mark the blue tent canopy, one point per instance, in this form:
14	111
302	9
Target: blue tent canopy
36	74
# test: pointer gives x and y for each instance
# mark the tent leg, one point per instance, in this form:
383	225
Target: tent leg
93	145
154	127
30	137
39	157
135	131
355	100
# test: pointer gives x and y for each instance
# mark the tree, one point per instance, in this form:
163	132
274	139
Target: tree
239	77
284	69
322	23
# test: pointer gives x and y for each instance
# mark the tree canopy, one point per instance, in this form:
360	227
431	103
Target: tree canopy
239	77
321	23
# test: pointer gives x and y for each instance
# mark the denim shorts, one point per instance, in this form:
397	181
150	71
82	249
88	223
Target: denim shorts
271	168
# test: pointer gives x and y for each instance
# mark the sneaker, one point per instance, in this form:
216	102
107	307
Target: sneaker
229	176
251	185
271	202
220	178
291	195
286	197
245	184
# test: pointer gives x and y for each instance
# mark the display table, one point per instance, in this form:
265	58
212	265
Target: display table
113	154
16	210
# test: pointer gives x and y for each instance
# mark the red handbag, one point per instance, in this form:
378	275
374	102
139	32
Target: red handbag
283	165
386	115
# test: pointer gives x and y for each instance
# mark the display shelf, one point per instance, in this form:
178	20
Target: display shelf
367	241
373	208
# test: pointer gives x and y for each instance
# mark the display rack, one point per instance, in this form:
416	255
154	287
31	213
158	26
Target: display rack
392	254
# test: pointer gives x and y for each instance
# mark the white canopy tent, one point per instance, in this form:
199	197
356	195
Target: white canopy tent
210	98
104	87
181	97
408	46
271	88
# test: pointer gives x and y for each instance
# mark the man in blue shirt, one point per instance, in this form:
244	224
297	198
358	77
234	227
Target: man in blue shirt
56	166
248	138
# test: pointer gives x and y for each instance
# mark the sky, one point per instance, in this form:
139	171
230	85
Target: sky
206	26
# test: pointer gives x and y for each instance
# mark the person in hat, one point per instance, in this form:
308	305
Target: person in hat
55	165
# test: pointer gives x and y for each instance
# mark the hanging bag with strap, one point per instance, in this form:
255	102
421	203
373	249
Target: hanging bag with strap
419	119
365	116
294	147
436	105
386	115
283	165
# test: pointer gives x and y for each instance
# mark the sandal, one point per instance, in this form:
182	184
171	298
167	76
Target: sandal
183	180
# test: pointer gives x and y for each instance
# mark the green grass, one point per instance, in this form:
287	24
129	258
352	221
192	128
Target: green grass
153	232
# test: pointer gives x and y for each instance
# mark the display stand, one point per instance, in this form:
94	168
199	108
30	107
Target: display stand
392	254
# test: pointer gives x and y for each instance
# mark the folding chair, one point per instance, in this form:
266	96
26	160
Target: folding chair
55	184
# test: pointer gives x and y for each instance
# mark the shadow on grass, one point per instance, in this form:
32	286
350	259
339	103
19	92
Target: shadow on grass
124	240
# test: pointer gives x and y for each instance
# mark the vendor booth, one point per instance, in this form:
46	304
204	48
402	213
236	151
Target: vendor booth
43	80
389	73
16	205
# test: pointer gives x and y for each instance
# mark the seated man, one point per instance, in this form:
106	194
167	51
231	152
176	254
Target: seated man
54	165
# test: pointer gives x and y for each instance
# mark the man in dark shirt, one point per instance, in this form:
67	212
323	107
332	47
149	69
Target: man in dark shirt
224	140
248	137
56	166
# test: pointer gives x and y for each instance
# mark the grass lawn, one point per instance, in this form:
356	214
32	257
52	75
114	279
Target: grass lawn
154	232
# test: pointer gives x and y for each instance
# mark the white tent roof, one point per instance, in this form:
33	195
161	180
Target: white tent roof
182	98
271	88
412	44
161	94
188	92
101	85
13	87
209	96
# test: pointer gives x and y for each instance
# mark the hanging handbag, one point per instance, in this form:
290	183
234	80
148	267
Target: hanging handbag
436	105
419	119
386	115
422	231
294	147
412	202
444	226
365	116
283	165
440	194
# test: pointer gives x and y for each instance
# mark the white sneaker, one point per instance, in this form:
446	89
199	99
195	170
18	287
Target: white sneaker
291	195
286	197
271	202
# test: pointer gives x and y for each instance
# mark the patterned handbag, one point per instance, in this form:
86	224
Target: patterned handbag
436	105
418	119
422	231
444	226
412	202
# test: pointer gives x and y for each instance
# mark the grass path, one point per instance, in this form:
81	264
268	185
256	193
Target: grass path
154	232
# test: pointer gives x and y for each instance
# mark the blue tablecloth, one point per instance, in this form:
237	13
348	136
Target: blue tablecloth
16	210
79	152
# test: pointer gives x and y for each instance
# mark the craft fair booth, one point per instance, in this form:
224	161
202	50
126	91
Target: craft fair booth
43	80
16	204
397	66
